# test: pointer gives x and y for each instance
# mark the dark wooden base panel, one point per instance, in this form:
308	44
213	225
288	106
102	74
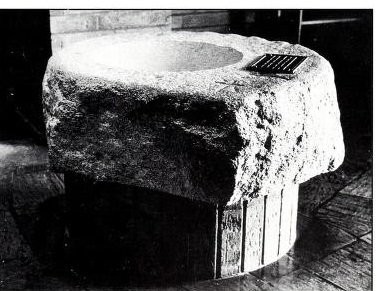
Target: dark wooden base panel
140	236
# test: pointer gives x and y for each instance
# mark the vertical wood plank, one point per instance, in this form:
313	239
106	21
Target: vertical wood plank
254	234
243	233
294	199
271	230
287	213
231	240
218	241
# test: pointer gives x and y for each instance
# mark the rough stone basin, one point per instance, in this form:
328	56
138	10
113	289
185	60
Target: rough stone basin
171	56
181	114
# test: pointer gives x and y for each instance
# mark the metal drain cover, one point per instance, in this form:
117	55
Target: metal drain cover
276	63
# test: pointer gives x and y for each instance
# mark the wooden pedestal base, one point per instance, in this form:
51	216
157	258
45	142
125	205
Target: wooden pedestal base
256	233
143	235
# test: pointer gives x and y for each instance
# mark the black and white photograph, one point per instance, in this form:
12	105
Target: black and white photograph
186	149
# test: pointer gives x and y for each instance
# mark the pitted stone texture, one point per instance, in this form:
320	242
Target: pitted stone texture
210	129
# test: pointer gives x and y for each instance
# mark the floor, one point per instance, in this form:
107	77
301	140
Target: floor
333	250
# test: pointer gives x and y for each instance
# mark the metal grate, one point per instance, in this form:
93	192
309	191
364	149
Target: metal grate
276	63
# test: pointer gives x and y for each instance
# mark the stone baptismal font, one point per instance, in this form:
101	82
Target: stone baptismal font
208	153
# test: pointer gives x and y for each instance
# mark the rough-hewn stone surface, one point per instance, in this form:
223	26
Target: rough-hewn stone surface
205	128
